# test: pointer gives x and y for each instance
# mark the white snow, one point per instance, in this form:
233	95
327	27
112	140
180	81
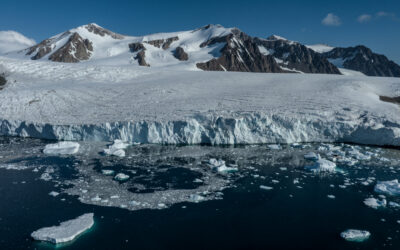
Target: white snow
375	203
355	235
388	187
322	165
154	105
66	231
320	48
61	148
13	41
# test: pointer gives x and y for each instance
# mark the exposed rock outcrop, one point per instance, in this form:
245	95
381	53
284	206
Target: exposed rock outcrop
361	58
180	54
240	53
295	56
75	50
3	81
141	54
94	28
164	43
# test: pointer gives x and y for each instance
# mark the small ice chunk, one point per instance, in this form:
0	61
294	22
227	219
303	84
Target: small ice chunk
266	187
62	148
121	177
331	196
117	148
107	172
311	156
355	235
322	165
375	203
196	198
388	187
275	181
394	204
54	193
220	166
274	146
66	231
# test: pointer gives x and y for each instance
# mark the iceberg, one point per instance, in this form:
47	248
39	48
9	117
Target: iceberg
375	203
388	187
66	231
355	235
311	156
121	177
117	148
322	165
62	148
220	166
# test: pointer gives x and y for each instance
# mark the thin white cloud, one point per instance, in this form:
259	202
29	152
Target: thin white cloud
384	14
331	20
364	18
12	40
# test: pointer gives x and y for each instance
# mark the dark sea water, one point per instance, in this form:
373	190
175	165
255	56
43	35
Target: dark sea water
235	213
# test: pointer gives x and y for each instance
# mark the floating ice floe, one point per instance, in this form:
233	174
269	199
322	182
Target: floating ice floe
121	177
274	146
196	198
62	148
54	193
394	204
117	148
12	167
375	203
331	196
266	187
311	156
107	172
220	166
355	235
66	231
322	165
388	187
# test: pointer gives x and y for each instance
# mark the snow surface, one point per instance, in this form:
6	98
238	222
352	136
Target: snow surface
355	235
66	231
148	105
13	41
62	148
320	48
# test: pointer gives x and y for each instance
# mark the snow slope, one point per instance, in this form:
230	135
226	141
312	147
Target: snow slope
150	105
108	50
12	41
320	48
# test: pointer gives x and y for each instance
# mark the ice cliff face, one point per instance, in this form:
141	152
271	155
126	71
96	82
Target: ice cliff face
147	105
248	129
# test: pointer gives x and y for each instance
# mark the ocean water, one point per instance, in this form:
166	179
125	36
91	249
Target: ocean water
175	199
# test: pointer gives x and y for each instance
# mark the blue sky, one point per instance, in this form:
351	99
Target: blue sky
378	28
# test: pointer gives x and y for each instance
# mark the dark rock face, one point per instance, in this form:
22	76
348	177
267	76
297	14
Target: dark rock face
102	32
297	57
3	80
141	54
41	49
361	58
180	54
164	43
75	50
240	53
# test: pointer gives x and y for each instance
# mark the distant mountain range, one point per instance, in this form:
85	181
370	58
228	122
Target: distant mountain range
211	48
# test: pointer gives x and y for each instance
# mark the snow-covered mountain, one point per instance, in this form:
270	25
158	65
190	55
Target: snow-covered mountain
361	58
209	48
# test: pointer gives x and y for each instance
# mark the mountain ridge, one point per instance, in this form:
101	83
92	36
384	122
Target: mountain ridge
210	48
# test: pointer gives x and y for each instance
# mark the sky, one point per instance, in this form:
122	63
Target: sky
374	23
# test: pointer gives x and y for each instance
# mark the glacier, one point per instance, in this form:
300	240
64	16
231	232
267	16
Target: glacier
136	105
